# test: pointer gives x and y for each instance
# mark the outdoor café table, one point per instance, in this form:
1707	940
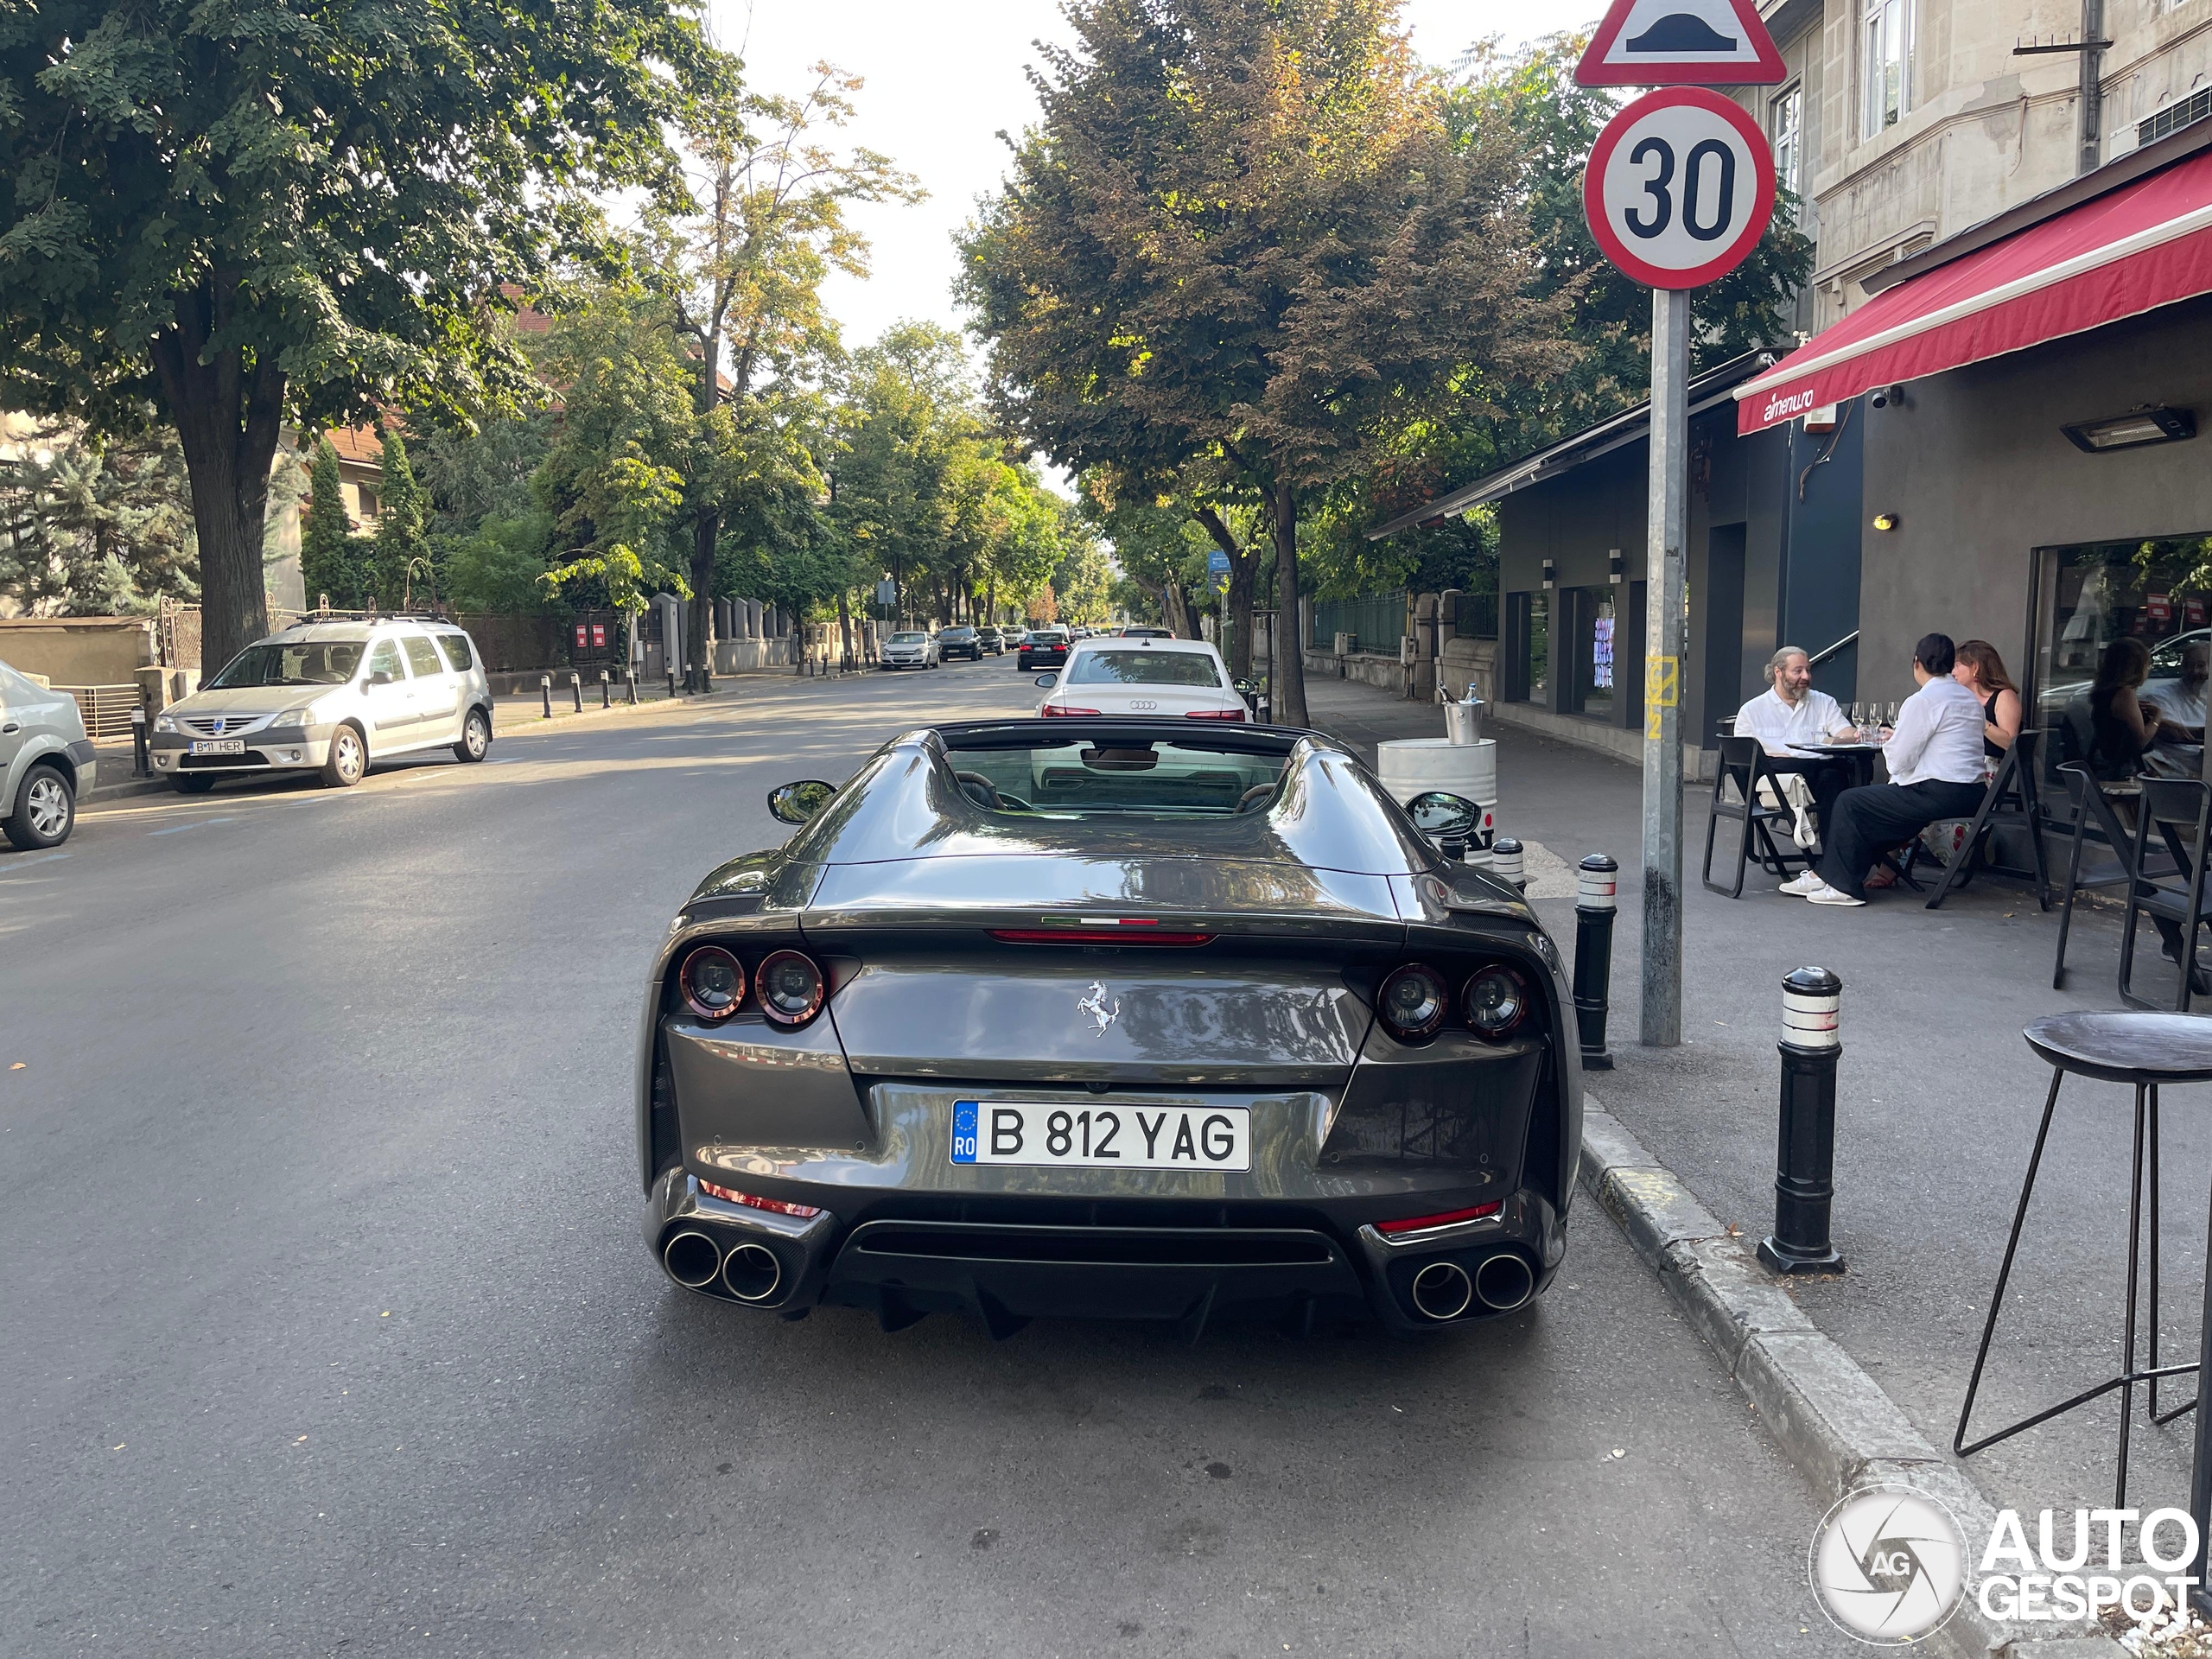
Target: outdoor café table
1858	756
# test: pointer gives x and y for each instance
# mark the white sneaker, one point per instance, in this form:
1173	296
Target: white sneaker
1799	887
1824	894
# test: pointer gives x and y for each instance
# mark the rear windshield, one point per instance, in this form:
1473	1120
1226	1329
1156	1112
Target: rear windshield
1154	777
330	662
1142	667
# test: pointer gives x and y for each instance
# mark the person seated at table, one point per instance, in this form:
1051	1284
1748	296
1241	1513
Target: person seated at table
2120	725
1981	671
2181	701
1935	773
1791	711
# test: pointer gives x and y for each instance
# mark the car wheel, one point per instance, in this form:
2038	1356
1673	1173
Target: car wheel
348	759
45	811
192	783
475	737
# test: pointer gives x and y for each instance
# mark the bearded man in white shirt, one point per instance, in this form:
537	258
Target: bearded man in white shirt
1791	711
1935	773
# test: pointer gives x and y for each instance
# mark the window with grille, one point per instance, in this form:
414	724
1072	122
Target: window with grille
2174	116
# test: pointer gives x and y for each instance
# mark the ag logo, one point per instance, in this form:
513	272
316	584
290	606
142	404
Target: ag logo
1888	1565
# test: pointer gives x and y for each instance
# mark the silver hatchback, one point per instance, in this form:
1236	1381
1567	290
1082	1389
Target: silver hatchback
330	697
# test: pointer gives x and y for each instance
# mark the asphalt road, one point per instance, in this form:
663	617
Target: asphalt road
330	1330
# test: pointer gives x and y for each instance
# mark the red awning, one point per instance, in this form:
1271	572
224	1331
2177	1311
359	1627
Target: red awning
2146	245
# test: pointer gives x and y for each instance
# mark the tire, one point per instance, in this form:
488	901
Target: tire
46	810
192	783
348	761
475	737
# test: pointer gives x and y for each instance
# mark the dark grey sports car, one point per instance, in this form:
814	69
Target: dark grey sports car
1108	1018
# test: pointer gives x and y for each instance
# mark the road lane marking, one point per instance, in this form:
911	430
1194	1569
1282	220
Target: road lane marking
178	829
24	864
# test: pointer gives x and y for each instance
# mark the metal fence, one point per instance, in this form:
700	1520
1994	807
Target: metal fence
1376	622
106	708
1477	616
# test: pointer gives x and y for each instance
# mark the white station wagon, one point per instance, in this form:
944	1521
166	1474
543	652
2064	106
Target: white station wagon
329	698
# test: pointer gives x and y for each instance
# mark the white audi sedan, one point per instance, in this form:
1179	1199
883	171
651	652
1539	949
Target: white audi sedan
1142	677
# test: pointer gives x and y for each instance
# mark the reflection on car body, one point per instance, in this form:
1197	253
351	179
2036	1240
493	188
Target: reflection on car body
1108	1017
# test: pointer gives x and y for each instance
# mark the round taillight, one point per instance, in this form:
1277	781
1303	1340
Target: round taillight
1494	1002
1413	1001
790	988
713	982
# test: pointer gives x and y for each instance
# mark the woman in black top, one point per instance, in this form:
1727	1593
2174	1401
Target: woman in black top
1981	671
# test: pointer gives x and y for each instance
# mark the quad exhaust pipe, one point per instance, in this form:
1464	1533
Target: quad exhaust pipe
1444	1290
751	1273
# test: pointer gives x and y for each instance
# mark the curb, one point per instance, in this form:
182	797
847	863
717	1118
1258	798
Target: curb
1825	1413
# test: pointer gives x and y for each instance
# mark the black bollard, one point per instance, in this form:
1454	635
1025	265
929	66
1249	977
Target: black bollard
1505	863
139	768
606	690
706	676
630	679
671	685
1594	885
576	691
545	693
1804	1176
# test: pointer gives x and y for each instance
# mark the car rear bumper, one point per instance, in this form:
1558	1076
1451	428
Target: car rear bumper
1007	1260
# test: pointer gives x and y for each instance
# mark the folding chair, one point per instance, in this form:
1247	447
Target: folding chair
2180	809
2011	799
1743	764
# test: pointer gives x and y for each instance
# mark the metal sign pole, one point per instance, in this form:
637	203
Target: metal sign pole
1663	671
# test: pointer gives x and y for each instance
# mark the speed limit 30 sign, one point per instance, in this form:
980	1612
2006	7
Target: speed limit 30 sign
1680	187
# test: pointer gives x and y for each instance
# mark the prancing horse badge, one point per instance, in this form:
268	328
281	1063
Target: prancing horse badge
1094	1005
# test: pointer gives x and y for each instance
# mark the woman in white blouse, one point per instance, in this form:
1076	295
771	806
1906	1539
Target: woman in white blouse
1936	765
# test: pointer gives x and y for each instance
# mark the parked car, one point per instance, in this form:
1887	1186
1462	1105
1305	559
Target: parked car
1143	631
1046	647
911	649
329	698
46	761
959	642
1013	637
1111	1019
1165	678
992	640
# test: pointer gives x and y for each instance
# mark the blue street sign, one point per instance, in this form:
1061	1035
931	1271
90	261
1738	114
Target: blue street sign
1217	563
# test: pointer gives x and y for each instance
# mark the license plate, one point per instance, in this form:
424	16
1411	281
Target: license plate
219	745
1056	1133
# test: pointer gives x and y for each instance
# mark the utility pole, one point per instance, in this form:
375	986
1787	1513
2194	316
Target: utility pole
1663	671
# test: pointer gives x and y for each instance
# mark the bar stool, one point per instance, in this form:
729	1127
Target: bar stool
2145	1050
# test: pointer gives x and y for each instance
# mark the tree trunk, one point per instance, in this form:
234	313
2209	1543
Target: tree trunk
1289	663
844	625
706	530
228	418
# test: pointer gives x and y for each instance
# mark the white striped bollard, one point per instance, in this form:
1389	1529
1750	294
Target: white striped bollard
1505	863
1594	884
576	691
545	695
1804	1175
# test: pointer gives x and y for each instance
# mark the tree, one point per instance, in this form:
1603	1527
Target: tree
400	542
255	212
1244	238
331	556
743	264
90	528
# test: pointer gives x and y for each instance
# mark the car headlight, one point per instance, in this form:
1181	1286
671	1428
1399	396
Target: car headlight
165	722
303	715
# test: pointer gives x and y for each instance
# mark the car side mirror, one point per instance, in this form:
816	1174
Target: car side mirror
1442	816
1048	680
799	803
383	677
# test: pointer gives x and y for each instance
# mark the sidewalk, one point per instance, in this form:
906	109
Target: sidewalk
1939	1099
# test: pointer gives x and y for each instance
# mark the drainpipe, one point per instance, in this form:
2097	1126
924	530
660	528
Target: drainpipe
2091	152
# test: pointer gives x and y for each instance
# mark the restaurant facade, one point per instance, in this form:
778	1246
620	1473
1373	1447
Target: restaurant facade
1999	440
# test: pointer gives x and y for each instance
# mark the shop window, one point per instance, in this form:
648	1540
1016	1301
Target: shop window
2089	595
1528	677
1885	62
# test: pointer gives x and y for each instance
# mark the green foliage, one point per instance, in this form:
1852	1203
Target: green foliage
334	563
501	568
255	212
93	529
400	542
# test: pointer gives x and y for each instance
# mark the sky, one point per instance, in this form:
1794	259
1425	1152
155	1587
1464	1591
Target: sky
943	80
